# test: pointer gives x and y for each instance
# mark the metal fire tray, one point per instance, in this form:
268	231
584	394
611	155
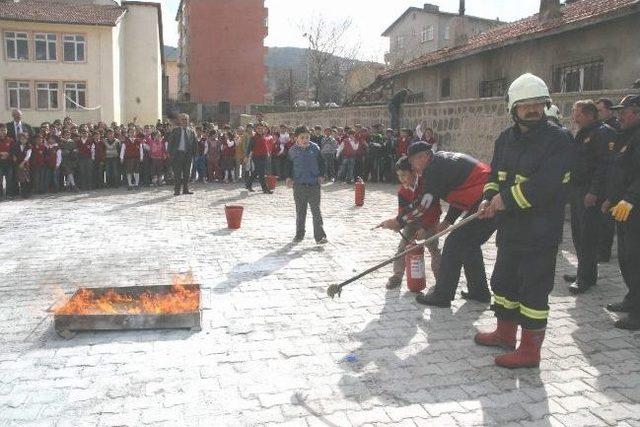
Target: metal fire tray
66	325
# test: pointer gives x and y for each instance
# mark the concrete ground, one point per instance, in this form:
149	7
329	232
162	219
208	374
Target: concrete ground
274	349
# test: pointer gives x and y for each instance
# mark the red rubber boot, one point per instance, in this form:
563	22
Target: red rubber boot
503	336
528	354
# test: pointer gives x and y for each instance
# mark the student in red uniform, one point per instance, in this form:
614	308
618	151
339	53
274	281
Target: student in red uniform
158	154
86	157
21	160
402	144
258	150
426	227
227	156
38	170
7	149
53	162
131	155
201	157
348	150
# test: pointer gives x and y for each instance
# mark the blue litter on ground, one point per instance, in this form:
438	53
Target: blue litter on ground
351	358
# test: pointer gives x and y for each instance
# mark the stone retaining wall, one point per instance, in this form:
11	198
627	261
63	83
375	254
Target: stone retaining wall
467	125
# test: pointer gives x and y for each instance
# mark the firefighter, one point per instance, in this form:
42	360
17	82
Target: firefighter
526	194
623	195
587	191
458	179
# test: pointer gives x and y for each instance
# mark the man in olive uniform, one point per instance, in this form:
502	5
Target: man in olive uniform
624	203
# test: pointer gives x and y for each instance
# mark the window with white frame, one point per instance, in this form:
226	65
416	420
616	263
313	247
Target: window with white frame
427	33
16	45
46	47
75	95
47	95
19	94
579	76
74	48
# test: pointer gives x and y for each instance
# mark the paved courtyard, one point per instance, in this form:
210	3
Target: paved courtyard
274	349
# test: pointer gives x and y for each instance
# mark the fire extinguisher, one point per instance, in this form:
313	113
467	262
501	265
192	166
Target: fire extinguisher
359	191
414	268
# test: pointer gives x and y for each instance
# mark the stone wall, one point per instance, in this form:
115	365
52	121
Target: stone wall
469	126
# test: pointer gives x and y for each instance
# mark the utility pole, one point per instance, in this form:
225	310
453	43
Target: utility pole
290	87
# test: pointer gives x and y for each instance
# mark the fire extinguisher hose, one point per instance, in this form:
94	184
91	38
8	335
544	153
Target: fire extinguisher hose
336	289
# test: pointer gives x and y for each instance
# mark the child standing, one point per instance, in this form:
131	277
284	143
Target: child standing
201	158
213	158
38	170
7	148
98	142
112	160
328	151
21	160
227	156
69	159
131	156
53	161
305	178
158	154
425	228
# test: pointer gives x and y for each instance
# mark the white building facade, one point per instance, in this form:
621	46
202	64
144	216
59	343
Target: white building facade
92	60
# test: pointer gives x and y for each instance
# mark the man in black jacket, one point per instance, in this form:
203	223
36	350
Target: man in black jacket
526	193
16	126
182	145
588	179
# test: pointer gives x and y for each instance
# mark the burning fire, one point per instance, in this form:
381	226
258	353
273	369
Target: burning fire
181	299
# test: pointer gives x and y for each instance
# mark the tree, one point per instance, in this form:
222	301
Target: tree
329	46
288	87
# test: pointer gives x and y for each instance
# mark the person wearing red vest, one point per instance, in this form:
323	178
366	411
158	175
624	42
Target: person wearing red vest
7	151
227	156
402	145
458	179
101	158
52	163
258	150
410	187
158	154
38	160
86	158
348	150
131	156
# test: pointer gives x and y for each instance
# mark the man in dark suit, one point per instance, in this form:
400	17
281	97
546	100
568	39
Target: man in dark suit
182	145
16	127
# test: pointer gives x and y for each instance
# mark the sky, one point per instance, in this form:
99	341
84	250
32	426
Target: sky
370	18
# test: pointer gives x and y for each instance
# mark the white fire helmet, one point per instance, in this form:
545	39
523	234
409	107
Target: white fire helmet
553	112
527	89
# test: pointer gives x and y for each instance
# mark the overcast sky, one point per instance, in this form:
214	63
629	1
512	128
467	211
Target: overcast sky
370	18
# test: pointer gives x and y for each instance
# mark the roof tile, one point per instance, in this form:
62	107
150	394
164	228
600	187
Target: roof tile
62	13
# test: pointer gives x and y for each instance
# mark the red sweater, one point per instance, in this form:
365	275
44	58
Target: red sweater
402	146
101	152
6	146
430	217
260	146
38	156
84	150
132	148
52	156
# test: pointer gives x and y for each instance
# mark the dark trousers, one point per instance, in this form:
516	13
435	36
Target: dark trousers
309	195
99	178
377	168
462	248
112	167
521	284
329	165
6	171
86	173
629	259
607	231
181	165
145	170
585	229
38	180
51	179
259	170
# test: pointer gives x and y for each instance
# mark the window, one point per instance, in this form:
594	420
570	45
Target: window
74	48
47	96
19	94
427	34
46	49
446	32
400	42
579	76
16	45
76	94
493	88
445	88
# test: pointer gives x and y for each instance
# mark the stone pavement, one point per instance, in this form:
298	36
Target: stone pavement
273	345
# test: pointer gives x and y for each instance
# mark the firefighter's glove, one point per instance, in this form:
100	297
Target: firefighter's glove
621	211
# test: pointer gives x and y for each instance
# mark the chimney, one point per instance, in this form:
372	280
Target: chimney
549	10
431	8
461	10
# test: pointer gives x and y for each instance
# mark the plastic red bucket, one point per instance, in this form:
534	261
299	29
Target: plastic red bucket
272	181
234	216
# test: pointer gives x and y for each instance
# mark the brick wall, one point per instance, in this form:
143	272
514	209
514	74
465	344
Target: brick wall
470	126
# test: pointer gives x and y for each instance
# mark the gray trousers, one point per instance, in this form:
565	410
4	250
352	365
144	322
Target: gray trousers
308	195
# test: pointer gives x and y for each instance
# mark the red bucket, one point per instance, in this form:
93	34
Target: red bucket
272	181
234	216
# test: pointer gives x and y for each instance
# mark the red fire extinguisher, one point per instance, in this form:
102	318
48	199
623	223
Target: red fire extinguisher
414	268
359	191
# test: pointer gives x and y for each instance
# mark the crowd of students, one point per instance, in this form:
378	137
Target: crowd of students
66	156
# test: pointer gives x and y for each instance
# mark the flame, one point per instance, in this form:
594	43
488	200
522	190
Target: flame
180	299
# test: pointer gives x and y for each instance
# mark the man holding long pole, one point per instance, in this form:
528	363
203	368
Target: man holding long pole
526	193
